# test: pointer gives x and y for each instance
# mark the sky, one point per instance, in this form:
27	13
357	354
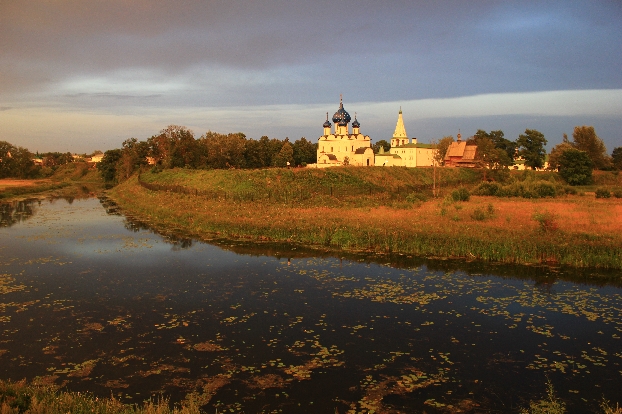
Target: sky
85	75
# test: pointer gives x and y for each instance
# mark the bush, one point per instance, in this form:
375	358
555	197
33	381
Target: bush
602	193
415	197
478	214
546	221
461	194
544	189
487	189
576	167
617	193
570	190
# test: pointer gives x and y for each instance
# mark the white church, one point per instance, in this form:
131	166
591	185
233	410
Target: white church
344	148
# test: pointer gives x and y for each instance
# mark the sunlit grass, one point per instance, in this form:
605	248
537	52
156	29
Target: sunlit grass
580	230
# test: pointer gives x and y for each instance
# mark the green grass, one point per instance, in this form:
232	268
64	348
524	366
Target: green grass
69	180
386	222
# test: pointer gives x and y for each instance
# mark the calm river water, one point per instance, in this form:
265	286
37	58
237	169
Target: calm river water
100	303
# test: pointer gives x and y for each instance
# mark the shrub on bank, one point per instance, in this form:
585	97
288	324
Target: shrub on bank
461	194
603	193
524	189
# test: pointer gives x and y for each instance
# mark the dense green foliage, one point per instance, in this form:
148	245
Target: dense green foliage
602	193
461	194
176	147
16	162
616	157
585	139
575	167
441	149
498	142
383	143
531	147
108	165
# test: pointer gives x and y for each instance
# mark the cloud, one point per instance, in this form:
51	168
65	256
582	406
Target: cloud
274	66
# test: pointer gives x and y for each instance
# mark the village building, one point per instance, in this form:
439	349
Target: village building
405	152
342	147
459	154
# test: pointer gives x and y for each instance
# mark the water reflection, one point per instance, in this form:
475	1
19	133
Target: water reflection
105	304
17	211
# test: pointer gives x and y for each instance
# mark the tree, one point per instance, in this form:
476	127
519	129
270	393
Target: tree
108	165
585	139
616	157
531	147
491	157
305	152
55	159
576	167
285	155
224	151
174	146
499	141
382	143
441	149
259	154
16	162
133	156
556	153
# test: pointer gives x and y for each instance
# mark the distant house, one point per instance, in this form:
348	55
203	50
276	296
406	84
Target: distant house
519	164
97	158
459	154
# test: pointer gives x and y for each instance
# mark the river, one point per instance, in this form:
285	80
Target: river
99	302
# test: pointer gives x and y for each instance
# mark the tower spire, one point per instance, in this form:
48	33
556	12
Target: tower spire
399	136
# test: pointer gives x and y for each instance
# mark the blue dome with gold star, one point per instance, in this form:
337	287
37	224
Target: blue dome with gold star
341	117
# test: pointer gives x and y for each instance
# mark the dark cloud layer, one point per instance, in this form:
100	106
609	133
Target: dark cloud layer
372	50
119	57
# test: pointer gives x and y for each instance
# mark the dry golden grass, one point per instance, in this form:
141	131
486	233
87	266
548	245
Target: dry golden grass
584	232
9	182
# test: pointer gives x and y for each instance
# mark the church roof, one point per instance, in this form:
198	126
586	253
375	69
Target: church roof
400	129
327	124
341	117
412	145
461	149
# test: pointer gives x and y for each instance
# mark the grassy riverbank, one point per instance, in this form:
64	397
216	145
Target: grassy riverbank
382	210
74	180
35	398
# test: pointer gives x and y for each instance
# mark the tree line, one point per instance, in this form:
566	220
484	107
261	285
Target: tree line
18	162
176	146
574	159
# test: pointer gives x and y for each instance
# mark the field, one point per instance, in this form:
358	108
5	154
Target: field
70	180
381	211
